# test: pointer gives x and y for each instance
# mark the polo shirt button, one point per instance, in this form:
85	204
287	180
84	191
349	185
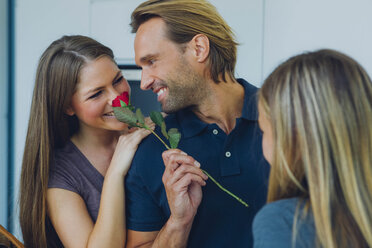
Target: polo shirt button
228	154
215	131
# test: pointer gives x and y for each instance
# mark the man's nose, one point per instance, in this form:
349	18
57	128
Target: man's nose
146	80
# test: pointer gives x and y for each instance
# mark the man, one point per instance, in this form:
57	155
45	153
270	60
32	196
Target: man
187	53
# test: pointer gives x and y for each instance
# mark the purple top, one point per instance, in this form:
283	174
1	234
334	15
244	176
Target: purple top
72	171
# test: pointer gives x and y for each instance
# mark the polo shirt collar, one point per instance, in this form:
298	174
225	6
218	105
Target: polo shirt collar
250	111
191	125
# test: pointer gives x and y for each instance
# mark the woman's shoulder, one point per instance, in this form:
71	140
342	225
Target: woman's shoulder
65	169
278	213
66	157
273	224
287	205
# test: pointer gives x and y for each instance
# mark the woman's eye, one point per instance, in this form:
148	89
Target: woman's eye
96	95
118	80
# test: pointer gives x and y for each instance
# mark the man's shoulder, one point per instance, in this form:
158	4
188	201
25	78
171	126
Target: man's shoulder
250	88
250	111
151	148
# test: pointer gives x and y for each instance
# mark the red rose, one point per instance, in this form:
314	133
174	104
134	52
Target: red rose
121	100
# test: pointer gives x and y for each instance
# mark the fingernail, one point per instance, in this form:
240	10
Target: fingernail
197	164
184	153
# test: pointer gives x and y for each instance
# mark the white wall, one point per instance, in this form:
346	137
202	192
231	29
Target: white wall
110	25
269	32
294	26
246	19
3	112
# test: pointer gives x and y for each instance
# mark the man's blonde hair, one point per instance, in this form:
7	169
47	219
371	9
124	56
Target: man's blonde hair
186	18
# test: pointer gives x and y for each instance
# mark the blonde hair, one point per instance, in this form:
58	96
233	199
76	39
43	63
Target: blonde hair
186	18
320	108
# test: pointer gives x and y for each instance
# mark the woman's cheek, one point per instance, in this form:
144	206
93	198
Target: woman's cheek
267	147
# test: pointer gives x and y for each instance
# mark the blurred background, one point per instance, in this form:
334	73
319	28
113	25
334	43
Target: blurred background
269	32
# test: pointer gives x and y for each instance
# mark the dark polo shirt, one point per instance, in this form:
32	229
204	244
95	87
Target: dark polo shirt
234	160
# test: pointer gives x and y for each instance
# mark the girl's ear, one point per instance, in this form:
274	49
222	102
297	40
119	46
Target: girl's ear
69	111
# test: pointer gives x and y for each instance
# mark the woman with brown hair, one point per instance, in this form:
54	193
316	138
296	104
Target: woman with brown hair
77	153
315	111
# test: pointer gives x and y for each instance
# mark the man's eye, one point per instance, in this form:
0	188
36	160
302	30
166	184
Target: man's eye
96	95
151	61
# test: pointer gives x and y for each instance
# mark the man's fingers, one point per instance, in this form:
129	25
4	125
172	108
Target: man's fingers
167	153
186	169
185	181
176	159
182	171
182	185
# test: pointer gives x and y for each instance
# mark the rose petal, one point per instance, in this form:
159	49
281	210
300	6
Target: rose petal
116	102
123	97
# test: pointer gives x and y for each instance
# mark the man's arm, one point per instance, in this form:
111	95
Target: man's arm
182	180
140	239
168	236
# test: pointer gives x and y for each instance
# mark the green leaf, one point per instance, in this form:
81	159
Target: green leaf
140	117
122	103
174	137
130	107
157	118
126	116
164	130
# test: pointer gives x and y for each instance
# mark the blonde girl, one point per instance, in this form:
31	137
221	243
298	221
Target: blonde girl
315	111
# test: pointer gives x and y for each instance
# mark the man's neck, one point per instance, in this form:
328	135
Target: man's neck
223	105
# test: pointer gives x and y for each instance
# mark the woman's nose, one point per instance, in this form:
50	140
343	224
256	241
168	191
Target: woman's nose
112	94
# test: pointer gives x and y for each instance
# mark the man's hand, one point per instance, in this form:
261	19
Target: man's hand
182	180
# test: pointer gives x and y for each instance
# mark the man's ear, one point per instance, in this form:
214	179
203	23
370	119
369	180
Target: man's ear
69	111
200	46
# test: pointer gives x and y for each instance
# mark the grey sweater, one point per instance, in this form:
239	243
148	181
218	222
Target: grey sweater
273	225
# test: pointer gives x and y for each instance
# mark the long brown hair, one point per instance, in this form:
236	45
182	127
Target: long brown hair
186	18
49	128
320	108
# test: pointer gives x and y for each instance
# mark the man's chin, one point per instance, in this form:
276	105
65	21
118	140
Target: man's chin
169	109
174	109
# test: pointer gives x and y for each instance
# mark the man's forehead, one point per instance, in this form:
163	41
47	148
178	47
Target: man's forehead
154	27
150	39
